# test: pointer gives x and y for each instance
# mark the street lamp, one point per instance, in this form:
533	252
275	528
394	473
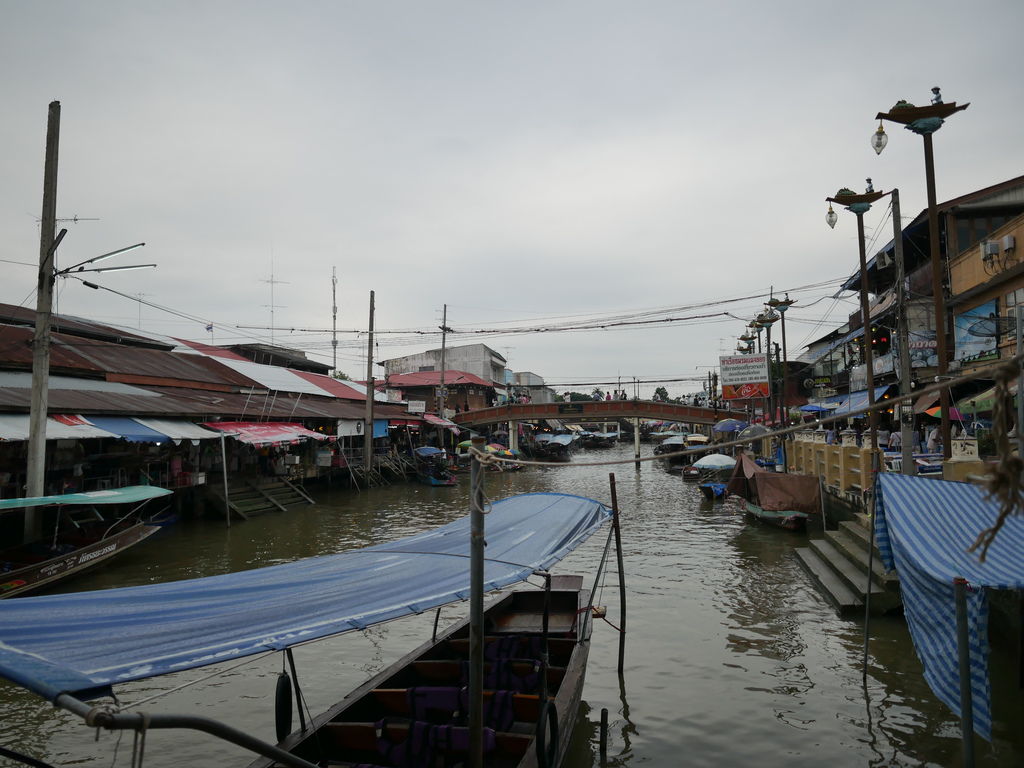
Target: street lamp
780	306
859	205
924	121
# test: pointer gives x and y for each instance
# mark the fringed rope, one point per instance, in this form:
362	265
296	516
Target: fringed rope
1004	479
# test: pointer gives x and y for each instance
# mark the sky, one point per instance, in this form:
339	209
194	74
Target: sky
531	165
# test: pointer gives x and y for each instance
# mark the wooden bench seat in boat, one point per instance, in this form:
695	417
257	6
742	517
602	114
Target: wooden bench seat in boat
525	707
517	647
451	672
360	743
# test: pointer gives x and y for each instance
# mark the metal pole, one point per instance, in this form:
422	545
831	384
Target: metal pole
334	319
871	562
476	607
903	334
1020	387
964	653
370	389
441	396
938	267
36	468
622	573
865	315
224	472
768	357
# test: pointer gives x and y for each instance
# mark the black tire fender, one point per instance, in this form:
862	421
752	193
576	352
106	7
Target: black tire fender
547	748
283	706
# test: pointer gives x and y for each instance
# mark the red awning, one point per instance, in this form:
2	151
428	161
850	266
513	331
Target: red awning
265	432
437	421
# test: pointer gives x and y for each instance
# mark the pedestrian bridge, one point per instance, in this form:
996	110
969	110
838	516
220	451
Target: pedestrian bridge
595	410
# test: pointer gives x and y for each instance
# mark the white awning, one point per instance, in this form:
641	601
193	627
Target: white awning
15	426
179	429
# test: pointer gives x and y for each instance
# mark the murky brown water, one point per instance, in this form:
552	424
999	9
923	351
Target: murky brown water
732	658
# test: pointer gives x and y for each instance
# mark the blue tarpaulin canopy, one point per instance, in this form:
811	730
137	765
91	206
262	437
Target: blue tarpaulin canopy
924	527
129	429
83	643
128	495
427	450
856	401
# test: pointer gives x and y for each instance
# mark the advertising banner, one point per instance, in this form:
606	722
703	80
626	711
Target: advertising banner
976	333
743	376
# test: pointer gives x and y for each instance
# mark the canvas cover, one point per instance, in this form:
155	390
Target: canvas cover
924	527
775	491
83	643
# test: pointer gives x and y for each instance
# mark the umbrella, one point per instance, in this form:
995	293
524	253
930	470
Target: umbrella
729	425
753	432
715	461
937	413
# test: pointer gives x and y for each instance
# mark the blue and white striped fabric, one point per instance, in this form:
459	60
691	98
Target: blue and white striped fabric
923	528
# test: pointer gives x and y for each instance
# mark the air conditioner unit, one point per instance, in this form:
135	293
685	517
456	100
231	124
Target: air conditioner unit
884	260
988	248
1009	242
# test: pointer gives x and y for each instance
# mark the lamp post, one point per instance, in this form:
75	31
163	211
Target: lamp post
924	121
859	205
780	306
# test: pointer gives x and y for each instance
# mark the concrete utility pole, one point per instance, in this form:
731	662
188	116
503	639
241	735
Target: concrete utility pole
903	333
36	469
334	317
442	394
370	389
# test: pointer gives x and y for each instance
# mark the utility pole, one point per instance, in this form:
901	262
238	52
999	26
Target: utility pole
334	317
441	394
370	389
903	333
36	469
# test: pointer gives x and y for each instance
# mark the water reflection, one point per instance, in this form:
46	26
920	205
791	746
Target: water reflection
732	658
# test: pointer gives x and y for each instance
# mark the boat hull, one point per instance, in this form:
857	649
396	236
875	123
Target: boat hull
67	565
787	519
348	732
440	482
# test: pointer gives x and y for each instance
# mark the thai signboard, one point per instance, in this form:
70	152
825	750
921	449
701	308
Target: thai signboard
743	376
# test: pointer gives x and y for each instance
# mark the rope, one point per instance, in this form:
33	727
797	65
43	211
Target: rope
1012	364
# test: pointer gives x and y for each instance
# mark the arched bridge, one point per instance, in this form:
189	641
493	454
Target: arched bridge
595	410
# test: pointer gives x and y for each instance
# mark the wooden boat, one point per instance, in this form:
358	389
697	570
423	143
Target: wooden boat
432	467
554	448
421	702
779	499
713	491
533	643
81	531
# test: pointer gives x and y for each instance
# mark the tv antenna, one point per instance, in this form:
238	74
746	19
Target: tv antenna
272	305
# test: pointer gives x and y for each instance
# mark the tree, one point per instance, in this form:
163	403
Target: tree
342	376
660	393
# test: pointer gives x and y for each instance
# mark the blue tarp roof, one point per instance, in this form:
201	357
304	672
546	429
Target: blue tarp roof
129	429
855	401
82	643
427	450
129	495
923	528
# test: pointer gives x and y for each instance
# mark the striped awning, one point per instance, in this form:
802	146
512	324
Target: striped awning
924	528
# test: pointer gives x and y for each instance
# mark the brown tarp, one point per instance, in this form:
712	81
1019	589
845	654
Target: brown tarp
775	491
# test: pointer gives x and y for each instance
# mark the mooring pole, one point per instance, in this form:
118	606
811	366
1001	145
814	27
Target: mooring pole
622	574
871	561
964	652
636	442
476	607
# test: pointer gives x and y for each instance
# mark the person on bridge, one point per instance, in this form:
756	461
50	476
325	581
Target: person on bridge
608	396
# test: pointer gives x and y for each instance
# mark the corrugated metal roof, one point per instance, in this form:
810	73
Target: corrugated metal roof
75	326
272	377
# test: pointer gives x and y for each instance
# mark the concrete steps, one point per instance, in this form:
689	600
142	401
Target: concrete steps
838	564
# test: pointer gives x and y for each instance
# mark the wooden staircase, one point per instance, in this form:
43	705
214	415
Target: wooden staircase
248	498
838	565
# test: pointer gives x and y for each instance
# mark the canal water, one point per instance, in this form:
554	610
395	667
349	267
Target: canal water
732	657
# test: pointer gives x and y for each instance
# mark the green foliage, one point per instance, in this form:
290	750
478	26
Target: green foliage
341	375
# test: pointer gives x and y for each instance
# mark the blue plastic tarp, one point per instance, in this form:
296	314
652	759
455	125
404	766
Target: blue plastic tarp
130	495
129	429
427	450
83	643
923	528
857	401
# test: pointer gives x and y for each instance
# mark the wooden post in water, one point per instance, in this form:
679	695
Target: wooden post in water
370	388
224	472
963	645
476	608
636	442
622	574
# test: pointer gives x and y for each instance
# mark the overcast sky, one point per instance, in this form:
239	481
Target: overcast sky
524	163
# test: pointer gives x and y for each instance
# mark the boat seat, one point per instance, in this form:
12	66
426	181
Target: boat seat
82	516
518	647
510	674
443	703
385	742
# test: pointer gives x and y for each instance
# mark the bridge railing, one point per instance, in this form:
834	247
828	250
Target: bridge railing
596	410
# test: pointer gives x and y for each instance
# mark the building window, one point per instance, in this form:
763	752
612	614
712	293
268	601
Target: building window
1013	300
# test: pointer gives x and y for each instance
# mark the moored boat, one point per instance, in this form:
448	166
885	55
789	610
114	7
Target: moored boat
432	466
72	649
80	531
780	499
